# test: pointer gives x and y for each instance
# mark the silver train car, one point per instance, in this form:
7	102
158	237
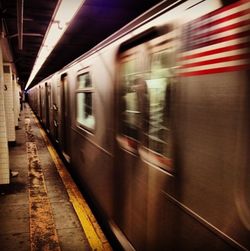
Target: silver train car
155	123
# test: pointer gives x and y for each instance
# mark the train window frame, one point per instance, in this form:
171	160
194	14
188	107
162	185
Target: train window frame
80	92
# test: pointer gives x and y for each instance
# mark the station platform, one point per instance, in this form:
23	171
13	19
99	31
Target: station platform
42	208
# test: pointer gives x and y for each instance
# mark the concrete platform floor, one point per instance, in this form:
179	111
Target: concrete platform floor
47	220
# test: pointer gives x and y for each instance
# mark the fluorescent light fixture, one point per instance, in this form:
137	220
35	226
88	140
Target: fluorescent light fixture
63	14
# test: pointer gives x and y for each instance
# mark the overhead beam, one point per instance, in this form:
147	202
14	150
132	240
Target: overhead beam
27	34
20	23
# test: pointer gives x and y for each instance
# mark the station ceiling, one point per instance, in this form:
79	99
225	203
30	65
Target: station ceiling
96	20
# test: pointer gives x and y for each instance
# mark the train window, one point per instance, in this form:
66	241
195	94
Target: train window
129	103
130	110
84	101
159	94
156	145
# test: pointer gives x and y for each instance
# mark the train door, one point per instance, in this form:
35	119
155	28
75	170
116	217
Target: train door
47	104
55	113
143	152
130	195
40	103
65	125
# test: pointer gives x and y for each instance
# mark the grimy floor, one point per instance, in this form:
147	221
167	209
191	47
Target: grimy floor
42	209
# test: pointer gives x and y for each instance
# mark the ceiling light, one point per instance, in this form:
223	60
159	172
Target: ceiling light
64	13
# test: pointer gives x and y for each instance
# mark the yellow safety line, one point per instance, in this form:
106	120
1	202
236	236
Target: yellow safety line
93	232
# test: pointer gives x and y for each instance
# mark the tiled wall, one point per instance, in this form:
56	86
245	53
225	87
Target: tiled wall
4	152
9	104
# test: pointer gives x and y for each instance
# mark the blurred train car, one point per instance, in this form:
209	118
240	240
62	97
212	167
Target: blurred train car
155	122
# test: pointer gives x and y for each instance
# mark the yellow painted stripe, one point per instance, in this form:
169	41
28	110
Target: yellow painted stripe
92	230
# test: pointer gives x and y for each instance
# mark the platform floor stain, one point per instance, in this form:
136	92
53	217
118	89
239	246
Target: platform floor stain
43	235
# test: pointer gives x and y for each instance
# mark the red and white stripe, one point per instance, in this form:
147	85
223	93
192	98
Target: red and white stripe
218	42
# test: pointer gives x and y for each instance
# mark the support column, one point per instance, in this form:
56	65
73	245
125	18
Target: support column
4	151
9	104
16	100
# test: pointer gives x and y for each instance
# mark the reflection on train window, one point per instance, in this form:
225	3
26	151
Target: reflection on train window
84	101
145	108
130	109
158	85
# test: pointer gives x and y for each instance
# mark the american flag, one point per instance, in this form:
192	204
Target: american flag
217	42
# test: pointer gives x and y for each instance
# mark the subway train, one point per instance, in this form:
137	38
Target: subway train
155	122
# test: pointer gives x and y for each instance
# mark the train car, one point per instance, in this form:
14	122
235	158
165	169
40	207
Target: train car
155	122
